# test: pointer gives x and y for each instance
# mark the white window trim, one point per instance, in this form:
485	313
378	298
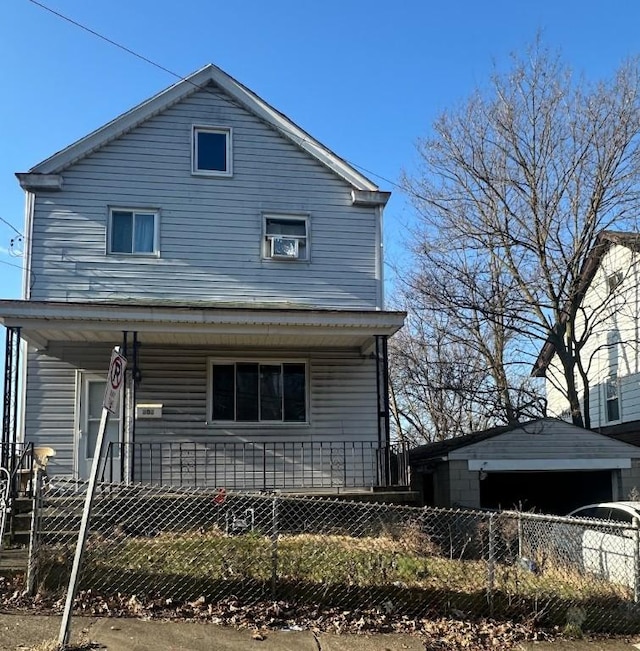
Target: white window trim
228	131
156	232
264	424
266	239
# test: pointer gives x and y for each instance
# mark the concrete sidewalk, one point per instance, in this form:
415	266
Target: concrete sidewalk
19	632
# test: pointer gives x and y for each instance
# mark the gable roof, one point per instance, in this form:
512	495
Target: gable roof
426	455
604	241
209	74
440	449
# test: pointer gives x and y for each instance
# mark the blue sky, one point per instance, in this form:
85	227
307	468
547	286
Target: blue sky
366	78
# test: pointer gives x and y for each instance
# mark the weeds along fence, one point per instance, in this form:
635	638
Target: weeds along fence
179	545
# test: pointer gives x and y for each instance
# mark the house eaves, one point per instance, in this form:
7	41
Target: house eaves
604	241
44	321
209	74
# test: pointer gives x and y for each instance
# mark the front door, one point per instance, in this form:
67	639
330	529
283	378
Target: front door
91	394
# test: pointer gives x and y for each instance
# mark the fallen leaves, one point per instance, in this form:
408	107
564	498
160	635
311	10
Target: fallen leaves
437	633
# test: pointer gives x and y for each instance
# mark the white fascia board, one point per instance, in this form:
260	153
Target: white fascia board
515	465
80	315
369	198
186	87
290	129
29	181
124	122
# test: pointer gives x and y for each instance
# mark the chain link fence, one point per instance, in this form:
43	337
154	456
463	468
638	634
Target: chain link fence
181	545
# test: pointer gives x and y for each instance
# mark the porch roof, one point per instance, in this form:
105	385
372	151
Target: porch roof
272	326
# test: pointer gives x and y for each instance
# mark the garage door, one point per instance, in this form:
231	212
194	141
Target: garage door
545	492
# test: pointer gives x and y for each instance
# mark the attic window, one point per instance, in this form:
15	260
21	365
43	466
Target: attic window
211	151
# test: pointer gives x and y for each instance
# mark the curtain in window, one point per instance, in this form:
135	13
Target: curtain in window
144	232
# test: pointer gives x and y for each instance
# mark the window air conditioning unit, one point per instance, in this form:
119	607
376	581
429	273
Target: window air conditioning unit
284	247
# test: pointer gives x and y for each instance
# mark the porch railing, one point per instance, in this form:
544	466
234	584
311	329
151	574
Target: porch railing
258	466
17	460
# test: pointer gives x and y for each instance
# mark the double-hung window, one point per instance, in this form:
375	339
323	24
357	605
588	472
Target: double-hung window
286	237
612	398
258	392
211	151
133	232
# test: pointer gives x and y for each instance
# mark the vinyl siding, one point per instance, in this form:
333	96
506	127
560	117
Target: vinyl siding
210	228
607	316
342	394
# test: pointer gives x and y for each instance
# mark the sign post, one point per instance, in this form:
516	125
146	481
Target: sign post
115	380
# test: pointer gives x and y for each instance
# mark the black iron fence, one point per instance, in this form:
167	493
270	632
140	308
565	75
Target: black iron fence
258	466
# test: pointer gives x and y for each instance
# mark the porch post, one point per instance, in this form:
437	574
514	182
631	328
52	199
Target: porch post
384	419
10	402
134	378
125	463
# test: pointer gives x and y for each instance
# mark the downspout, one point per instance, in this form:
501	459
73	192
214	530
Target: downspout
28	231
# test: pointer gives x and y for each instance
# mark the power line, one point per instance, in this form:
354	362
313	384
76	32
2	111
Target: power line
17	266
4	221
124	48
105	38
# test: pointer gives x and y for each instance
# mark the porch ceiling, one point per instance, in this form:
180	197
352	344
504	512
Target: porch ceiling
226	326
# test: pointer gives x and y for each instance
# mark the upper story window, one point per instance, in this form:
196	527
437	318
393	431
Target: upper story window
286	237
612	398
258	392
211	151
133	232
613	280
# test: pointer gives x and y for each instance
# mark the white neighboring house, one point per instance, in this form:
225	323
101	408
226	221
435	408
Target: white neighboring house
609	314
238	262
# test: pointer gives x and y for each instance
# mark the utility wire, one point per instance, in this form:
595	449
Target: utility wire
124	48
17	266
105	38
4	221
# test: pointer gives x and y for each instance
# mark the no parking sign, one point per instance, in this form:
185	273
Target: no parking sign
115	380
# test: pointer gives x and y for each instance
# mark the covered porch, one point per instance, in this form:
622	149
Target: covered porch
235	397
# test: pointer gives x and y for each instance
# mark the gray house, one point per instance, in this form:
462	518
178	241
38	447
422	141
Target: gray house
548	465
238	264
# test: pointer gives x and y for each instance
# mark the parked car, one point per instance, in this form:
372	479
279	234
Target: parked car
611	547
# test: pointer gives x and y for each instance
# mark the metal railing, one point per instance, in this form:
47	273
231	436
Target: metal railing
17	460
188	549
257	466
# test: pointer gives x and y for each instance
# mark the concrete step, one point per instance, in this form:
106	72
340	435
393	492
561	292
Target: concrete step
14	559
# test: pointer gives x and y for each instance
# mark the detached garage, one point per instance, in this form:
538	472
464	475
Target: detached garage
546	465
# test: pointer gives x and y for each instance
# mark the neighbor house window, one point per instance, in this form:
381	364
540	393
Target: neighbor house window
612	399
613	280
286	237
133	231
255	392
211	152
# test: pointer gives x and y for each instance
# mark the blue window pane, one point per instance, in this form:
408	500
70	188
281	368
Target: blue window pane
121	231
144	232
211	151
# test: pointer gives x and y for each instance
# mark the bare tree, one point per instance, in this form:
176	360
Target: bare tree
513	189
